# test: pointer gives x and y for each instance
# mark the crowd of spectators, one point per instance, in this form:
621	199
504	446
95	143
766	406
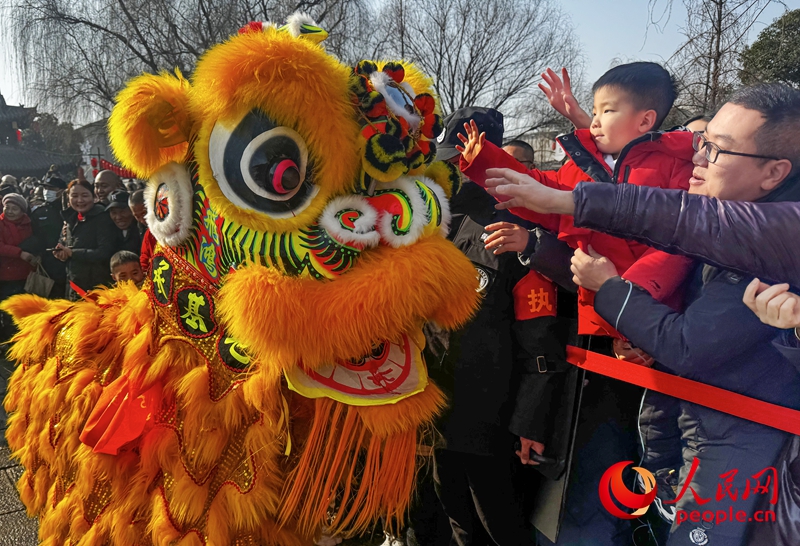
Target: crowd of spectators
69	232
643	247
647	246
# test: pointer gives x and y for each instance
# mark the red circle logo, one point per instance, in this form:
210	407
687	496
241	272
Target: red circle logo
612	488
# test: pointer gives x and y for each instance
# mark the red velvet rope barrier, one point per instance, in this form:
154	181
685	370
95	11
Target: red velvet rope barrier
738	405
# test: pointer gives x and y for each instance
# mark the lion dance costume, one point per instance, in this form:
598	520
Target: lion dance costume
267	383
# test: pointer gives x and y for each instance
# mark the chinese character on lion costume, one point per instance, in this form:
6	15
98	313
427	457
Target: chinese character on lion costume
266	384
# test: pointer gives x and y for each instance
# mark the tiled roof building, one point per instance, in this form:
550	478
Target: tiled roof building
18	160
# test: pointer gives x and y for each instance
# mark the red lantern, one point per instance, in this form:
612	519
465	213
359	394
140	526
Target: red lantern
19	135
94	162
94	172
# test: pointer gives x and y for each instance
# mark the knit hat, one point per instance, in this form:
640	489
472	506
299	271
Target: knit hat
16	199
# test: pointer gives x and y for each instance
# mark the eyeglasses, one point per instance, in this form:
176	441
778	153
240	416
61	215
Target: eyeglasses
700	143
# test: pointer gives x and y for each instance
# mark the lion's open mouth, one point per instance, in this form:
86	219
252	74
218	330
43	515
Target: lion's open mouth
393	370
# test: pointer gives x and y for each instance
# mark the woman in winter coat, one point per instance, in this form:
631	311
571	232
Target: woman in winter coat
88	240
15	263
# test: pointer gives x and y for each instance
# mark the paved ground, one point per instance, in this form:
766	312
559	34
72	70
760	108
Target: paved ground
16	528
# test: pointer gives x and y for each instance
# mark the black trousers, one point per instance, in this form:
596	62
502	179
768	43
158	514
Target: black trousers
606	435
8	289
481	497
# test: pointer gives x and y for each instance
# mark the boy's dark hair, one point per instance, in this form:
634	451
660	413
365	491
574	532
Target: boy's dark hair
517	143
780	106
648	85
123	257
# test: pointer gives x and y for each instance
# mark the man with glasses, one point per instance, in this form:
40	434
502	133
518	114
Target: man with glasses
713	177
749	152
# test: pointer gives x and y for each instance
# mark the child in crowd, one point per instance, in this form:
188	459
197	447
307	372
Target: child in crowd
620	146
125	267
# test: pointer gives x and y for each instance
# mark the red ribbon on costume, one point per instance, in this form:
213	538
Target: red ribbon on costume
80	291
732	403
120	416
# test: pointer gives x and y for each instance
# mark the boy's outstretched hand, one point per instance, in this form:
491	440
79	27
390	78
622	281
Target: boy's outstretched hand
506	237
515	189
473	142
559	95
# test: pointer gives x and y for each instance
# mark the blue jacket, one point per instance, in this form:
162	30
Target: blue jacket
717	340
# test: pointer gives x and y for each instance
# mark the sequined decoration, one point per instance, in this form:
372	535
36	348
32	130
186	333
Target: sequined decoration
189	316
67	365
97	501
184	308
234	467
65	357
54	431
64	485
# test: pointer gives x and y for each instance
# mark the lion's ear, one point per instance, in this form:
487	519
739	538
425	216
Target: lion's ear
150	125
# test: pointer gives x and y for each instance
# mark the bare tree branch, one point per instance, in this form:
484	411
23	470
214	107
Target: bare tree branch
73	56
477	61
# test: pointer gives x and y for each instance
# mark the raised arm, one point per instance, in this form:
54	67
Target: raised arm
761	239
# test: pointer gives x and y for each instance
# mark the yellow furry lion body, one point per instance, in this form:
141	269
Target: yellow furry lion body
266	384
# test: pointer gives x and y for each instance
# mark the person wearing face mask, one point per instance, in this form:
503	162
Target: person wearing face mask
87	240
15	263
47	223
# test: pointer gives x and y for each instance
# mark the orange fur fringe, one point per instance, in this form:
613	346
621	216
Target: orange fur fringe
349	473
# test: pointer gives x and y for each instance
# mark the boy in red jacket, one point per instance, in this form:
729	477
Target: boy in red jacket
619	147
630	102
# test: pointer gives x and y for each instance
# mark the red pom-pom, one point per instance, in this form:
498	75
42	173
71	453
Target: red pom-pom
252	26
395	71
425	103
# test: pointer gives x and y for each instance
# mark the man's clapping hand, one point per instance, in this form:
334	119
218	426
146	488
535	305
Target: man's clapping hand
591	270
774	305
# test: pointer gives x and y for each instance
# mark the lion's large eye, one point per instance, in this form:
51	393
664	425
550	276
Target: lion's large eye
261	166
